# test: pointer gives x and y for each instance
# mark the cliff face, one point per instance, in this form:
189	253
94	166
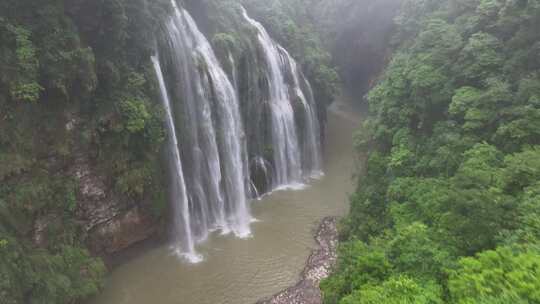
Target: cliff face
109	222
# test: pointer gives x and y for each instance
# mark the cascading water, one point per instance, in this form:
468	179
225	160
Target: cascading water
293	160
212	145
216	87
177	186
285	145
311	146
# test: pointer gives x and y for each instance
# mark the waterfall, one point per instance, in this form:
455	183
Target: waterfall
178	191
211	177
293	159
212	142
311	147
232	64
231	141
286	150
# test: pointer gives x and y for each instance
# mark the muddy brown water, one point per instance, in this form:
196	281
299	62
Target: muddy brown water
242	271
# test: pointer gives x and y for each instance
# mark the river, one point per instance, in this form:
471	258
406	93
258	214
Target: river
242	271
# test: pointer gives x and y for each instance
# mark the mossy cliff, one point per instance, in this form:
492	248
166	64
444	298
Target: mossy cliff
80	135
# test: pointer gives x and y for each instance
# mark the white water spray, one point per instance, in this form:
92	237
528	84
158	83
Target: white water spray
184	244
293	161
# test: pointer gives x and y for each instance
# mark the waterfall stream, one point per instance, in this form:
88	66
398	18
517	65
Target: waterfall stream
177	185
311	148
293	160
285	144
212	145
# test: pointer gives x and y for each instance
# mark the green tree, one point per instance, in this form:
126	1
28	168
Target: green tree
397	290
498	273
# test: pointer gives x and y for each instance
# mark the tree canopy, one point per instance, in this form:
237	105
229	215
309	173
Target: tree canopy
448	201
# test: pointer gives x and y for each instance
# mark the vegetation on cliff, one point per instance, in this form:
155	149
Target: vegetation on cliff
75	85
447	210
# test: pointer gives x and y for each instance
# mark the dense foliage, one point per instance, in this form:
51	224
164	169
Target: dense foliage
75	87
448	208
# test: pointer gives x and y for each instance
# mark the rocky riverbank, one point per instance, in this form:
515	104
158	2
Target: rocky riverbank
318	267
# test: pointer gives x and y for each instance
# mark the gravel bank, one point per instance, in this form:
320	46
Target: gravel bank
318	267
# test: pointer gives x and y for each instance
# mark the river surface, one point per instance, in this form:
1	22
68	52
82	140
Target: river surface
242	271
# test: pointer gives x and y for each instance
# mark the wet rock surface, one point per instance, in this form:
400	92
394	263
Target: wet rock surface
122	231
95	205
318	267
112	224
